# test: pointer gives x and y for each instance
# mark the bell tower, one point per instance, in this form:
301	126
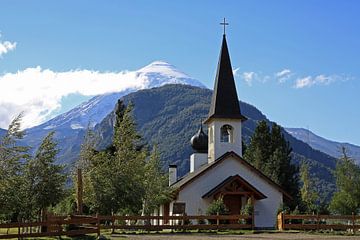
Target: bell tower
224	120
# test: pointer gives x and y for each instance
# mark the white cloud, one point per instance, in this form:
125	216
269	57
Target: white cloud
321	79
248	77
38	92
235	72
6	46
283	75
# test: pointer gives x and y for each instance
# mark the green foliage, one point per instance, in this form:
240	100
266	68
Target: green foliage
217	207
309	196
269	152
123	178
12	156
248	208
66	206
155	184
347	198
45	181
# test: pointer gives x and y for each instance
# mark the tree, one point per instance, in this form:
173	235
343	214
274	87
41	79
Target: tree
12	157
309	196
155	184
114	176
346	200
258	151
269	152
45	179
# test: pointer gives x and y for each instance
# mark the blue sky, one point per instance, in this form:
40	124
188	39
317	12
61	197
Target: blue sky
297	61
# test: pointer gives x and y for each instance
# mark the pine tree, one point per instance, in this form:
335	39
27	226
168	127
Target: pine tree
45	179
269	152
258	152
347	198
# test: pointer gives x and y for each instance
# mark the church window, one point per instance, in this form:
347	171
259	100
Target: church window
226	133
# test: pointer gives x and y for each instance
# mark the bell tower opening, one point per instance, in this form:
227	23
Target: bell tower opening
226	134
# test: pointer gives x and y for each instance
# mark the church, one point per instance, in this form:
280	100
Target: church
217	168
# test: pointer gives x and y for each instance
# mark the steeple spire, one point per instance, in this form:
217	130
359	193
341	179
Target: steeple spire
224	102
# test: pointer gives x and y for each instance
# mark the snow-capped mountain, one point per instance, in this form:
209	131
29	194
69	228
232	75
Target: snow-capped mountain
324	145
69	127
93	111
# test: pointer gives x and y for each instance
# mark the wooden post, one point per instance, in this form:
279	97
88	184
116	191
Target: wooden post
317	221
353	222
113	223
98	224
79	192
217	220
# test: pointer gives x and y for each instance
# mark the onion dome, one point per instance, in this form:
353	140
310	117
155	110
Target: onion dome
199	142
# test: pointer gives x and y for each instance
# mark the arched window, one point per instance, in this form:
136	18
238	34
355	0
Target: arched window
226	133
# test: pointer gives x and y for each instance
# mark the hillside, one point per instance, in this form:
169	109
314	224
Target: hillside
329	147
168	116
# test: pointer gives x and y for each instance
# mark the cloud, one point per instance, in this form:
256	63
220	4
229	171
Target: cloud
283	75
6	47
235	72
38	92
248	77
321	79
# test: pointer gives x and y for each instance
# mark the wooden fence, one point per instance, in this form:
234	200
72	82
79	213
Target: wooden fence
80	225
318	222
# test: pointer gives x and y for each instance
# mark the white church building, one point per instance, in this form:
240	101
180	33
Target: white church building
217	168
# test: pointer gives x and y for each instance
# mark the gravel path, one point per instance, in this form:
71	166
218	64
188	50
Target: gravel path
265	236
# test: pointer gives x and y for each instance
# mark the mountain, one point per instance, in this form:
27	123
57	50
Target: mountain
93	111
69	127
2	132
170	115
329	147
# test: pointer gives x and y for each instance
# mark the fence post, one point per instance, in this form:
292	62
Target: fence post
113	223
317	221
280	219
353	222
98	224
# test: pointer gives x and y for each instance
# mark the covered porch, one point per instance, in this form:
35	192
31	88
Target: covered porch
236	193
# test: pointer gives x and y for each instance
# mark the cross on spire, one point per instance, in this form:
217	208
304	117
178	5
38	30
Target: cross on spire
224	24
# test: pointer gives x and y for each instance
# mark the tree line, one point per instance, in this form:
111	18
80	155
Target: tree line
269	152
127	177
124	178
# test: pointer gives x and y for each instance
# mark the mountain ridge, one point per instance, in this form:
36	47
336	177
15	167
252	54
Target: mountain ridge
330	147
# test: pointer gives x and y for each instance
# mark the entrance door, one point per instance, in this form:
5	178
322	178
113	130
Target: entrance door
233	204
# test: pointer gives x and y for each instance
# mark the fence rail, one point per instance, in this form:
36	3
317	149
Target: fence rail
318	222
80	225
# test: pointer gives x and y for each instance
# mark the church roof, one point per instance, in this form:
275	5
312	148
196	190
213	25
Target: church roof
224	102
236	178
190	177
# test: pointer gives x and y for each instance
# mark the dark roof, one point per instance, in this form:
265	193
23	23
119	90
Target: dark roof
181	183
257	194
199	142
224	102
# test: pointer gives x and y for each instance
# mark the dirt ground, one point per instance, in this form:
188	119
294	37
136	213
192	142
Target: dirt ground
265	236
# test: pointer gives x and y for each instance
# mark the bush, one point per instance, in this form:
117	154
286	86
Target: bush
217	207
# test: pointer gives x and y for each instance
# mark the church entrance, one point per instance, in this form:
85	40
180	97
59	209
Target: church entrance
233	204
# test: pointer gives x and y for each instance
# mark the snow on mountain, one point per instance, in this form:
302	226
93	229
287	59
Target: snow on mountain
94	110
324	145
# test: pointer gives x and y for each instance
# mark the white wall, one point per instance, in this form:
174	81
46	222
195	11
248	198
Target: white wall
265	209
218	148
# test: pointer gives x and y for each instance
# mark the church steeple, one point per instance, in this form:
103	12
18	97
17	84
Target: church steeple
224	102
224	119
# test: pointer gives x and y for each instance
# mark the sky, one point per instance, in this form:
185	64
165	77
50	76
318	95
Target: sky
296	61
